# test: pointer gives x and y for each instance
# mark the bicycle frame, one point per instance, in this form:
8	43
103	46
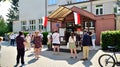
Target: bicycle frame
115	56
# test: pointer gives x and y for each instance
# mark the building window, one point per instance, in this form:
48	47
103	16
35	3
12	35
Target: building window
89	24
99	9
84	8
40	24
69	1
23	25
117	9
81	0
52	2
32	25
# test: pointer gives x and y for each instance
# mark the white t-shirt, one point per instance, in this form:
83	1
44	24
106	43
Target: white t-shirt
55	38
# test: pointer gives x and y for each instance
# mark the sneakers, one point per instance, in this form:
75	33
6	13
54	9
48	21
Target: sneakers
73	57
84	59
16	65
23	65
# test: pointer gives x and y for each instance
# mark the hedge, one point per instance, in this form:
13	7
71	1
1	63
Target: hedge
45	38
110	38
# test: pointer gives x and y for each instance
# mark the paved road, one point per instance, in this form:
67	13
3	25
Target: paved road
47	59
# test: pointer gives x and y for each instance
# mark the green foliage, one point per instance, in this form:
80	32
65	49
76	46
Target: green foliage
25	33
110	38
13	11
45	37
10	26
3	27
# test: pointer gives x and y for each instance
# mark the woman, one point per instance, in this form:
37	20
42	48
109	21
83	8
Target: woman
56	42
28	40
93	36
37	44
72	46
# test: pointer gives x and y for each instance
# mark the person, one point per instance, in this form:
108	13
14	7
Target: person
20	41
1	39
32	38
78	39
49	43
72	46
56	42
28	41
40	33
86	42
93	36
37	44
12	39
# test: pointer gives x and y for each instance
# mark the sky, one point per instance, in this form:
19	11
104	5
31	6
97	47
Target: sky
4	6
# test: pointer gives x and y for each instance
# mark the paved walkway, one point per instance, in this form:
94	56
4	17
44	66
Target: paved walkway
47	59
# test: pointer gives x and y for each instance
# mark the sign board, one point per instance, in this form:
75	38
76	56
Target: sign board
62	31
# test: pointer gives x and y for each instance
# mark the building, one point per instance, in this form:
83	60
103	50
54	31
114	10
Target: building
31	12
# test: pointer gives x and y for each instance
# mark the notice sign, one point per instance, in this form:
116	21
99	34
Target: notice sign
62	31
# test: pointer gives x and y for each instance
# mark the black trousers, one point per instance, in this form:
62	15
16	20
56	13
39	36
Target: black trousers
20	54
12	42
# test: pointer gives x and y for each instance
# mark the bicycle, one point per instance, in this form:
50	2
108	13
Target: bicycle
107	60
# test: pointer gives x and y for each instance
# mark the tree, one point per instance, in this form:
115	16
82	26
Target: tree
13	11
3	26
13	14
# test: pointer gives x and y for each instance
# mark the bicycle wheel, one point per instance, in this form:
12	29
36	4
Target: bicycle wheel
106	60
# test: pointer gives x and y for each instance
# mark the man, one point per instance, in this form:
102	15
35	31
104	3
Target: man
86	43
12	39
20	48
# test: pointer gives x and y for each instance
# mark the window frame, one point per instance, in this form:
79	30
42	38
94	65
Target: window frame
23	25
99	10
40	24
32	25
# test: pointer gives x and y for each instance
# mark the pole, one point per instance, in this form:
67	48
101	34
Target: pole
45	12
91	6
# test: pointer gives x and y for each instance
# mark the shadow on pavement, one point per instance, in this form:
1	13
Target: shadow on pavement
32	61
61	57
30	55
88	62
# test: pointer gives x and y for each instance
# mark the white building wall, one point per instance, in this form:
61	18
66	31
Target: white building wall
30	9
16	26
34	10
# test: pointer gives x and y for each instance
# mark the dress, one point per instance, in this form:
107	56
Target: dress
72	42
38	41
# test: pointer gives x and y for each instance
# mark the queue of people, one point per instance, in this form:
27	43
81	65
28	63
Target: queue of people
23	44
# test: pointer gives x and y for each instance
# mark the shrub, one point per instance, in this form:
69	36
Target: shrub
25	33
110	38
45	38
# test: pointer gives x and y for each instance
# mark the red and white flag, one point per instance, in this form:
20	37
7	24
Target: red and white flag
45	20
77	18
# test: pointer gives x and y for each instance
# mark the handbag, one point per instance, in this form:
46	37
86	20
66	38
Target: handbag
67	44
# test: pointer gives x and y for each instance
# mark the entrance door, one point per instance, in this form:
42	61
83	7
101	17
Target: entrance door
69	29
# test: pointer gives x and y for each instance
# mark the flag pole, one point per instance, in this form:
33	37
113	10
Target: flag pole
45	12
